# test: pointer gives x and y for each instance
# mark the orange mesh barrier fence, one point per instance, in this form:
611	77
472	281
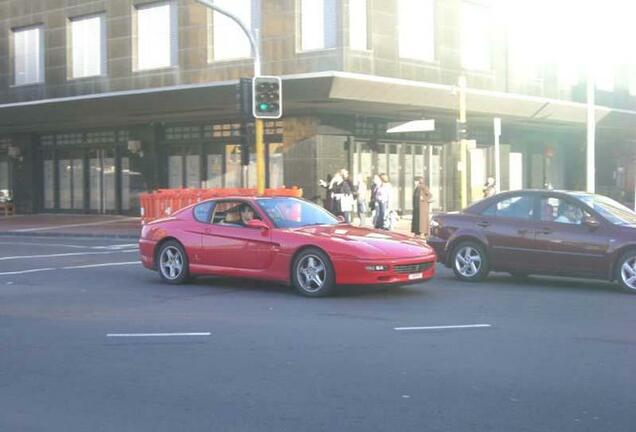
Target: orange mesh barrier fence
164	202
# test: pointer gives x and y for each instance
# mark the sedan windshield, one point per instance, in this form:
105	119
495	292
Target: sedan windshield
611	210
293	213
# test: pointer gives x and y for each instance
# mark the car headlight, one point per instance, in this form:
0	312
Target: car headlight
377	268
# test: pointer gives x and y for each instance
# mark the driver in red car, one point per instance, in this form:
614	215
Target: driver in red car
247	214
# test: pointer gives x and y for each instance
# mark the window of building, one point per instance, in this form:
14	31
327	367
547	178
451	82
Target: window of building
156	36
28	52
416	29
476	41
88	47
224	29
359	25
317	24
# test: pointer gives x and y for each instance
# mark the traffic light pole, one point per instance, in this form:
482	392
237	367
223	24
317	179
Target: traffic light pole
258	123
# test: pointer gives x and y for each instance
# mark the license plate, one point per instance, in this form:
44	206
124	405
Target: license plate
414	276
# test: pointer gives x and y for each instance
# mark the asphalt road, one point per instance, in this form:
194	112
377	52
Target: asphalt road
559	355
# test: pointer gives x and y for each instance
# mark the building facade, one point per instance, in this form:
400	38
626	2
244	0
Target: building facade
101	100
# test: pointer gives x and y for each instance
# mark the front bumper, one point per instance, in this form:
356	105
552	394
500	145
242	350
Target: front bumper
354	271
439	246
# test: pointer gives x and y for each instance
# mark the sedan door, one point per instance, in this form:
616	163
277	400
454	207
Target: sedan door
509	225
571	246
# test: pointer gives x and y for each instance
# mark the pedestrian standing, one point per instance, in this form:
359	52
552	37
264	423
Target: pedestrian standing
385	196
327	204
489	188
378	209
422	198
360	195
346	198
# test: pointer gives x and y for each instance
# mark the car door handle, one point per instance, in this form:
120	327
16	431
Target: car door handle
483	224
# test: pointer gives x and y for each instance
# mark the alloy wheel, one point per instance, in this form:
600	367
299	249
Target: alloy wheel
468	261
311	273
628	273
171	263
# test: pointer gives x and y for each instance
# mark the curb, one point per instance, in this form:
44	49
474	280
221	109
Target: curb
69	235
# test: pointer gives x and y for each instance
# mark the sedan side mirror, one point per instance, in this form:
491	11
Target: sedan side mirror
258	224
590	222
341	219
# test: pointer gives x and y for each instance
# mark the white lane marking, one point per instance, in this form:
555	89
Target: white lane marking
70	267
442	327
99	265
63	255
156	334
26	271
49	228
22	242
25	243
117	246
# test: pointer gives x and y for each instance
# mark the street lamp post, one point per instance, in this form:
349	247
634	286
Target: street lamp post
258	123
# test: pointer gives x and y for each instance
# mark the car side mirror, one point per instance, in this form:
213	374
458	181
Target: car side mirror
257	224
591	222
341	219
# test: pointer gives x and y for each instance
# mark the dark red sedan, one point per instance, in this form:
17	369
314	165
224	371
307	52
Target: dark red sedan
280	239
540	232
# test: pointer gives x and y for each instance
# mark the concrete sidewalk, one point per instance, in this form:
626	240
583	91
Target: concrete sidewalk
94	226
71	225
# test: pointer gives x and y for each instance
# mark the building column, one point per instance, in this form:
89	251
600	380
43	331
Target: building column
26	177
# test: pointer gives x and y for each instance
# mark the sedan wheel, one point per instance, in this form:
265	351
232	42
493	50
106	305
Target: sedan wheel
470	262
627	272
312	274
172	263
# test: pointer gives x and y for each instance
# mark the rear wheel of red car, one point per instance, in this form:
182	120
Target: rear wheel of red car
172	263
470	262
312	273
626	270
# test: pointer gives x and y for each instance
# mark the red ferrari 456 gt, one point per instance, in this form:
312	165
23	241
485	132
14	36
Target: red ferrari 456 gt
280	239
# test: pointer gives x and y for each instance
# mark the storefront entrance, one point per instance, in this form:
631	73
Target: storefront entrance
402	162
90	173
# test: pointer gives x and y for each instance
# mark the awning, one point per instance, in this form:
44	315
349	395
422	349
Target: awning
322	92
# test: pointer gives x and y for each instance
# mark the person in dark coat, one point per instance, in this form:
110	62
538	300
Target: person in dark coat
421	208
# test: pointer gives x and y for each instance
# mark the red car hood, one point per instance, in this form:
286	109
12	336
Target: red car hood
367	243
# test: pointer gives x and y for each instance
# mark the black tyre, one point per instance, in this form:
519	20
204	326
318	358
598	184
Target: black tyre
312	273
172	263
626	272
470	262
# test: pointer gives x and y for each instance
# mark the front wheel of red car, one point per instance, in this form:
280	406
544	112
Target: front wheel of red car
627	272
172	263
312	273
470	262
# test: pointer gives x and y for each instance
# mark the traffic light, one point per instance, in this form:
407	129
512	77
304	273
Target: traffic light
461	132
267	95
247	137
244	97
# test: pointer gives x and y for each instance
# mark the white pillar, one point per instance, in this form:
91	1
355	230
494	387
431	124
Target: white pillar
591	136
497	129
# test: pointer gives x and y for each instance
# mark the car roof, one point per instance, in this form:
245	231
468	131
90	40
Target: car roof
478	206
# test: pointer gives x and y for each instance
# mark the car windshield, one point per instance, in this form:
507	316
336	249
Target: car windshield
293	213
611	210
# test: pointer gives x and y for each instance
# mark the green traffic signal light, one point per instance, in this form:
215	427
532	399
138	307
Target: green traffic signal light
263	107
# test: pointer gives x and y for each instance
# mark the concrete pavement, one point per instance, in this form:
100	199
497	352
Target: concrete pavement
558	355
